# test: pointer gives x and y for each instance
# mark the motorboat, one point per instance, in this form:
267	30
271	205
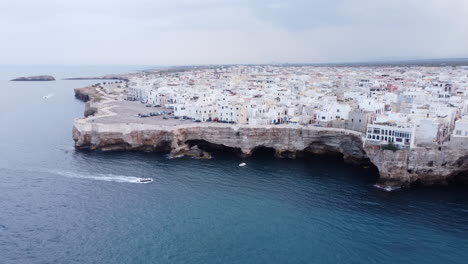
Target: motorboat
145	180
242	164
47	96
387	188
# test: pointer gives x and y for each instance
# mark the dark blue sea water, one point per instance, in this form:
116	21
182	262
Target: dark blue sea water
58	205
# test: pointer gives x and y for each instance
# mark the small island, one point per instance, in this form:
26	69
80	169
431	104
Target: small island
39	78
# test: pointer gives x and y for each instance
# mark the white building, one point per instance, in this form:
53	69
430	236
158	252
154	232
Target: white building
401	136
459	138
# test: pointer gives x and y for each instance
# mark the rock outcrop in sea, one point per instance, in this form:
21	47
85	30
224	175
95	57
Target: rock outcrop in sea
40	78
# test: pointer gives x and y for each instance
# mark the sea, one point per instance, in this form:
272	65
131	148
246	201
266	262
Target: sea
59	205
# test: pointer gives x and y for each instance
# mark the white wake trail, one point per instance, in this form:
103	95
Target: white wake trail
100	177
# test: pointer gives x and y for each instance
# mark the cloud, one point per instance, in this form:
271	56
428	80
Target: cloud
233	31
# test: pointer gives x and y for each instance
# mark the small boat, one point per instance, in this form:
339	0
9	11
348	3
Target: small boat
387	188
145	180
242	164
48	96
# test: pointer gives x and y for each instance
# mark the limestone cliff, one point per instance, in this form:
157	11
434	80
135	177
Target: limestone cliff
396	168
287	141
426	166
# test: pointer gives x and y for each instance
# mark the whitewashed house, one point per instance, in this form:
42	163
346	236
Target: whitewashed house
388	133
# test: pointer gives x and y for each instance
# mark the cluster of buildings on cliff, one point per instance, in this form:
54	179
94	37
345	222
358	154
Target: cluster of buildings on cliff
403	106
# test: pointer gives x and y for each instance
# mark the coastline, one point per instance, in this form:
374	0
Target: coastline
103	129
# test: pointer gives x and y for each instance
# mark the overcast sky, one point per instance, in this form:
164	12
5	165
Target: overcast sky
176	32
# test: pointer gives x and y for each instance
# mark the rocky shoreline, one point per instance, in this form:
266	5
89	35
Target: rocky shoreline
86	93
404	168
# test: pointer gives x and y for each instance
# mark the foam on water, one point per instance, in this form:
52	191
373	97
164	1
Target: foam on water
98	177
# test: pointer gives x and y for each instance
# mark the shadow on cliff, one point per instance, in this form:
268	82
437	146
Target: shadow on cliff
263	152
215	149
310	155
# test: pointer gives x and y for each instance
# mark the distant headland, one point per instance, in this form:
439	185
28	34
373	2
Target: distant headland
121	77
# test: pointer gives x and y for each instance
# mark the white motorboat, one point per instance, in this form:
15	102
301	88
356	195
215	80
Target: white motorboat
145	180
48	96
242	164
387	188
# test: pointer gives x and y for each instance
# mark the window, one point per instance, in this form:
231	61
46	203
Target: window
458	132
398	140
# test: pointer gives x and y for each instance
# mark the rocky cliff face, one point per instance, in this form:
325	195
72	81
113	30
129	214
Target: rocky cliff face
85	94
396	168
286	141
428	166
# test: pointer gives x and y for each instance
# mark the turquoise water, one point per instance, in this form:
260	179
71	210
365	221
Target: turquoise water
62	206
